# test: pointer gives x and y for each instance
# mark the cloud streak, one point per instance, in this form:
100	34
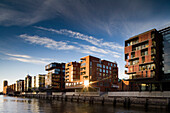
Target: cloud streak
47	42
90	39
27	58
16	55
34	61
60	45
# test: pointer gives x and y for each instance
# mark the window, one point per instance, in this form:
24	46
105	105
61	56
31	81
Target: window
110	68
98	65
106	67
100	70
83	64
111	64
90	63
106	71
103	66
103	70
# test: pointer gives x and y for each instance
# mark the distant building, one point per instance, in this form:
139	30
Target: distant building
28	83
5	87
39	82
12	87
20	85
54	80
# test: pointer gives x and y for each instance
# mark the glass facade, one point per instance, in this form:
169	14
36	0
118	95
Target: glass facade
166	56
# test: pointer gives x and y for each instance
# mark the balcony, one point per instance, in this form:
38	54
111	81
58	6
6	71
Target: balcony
52	66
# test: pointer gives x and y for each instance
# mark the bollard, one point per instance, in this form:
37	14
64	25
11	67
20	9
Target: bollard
84	99
57	97
61	98
65	98
72	99
125	101
114	102
103	101
78	99
146	105
168	105
92	100
128	103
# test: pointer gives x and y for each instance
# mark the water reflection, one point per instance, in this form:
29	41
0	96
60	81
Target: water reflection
26	105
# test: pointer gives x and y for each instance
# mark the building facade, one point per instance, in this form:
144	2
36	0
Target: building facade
20	85
39	82
99	74
147	60
55	79
28	83
72	74
166	58
5	87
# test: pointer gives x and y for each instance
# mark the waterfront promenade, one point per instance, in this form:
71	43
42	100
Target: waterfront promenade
146	100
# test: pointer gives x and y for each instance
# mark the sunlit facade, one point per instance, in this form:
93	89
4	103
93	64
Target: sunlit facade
20	85
97	74
147	60
72	74
28	83
39	82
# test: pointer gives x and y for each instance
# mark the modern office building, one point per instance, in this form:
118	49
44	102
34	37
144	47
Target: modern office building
72	74
39	82
28	83
166	58
54	80
20	85
100	75
147	60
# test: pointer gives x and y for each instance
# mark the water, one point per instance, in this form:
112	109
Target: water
27	105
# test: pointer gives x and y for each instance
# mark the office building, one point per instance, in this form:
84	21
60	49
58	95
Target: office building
166	58
99	75
147	60
28	83
20	85
72	74
39	82
54	80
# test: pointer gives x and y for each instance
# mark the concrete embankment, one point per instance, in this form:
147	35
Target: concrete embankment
126	99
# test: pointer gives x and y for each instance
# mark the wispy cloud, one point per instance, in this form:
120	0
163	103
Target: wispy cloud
16	55
34	61
52	44
90	39
26	58
47	42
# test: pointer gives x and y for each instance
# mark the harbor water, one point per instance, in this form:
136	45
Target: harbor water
10	104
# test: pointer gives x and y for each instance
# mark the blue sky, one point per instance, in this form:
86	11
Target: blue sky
35	32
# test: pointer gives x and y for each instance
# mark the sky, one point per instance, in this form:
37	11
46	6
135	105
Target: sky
34	33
